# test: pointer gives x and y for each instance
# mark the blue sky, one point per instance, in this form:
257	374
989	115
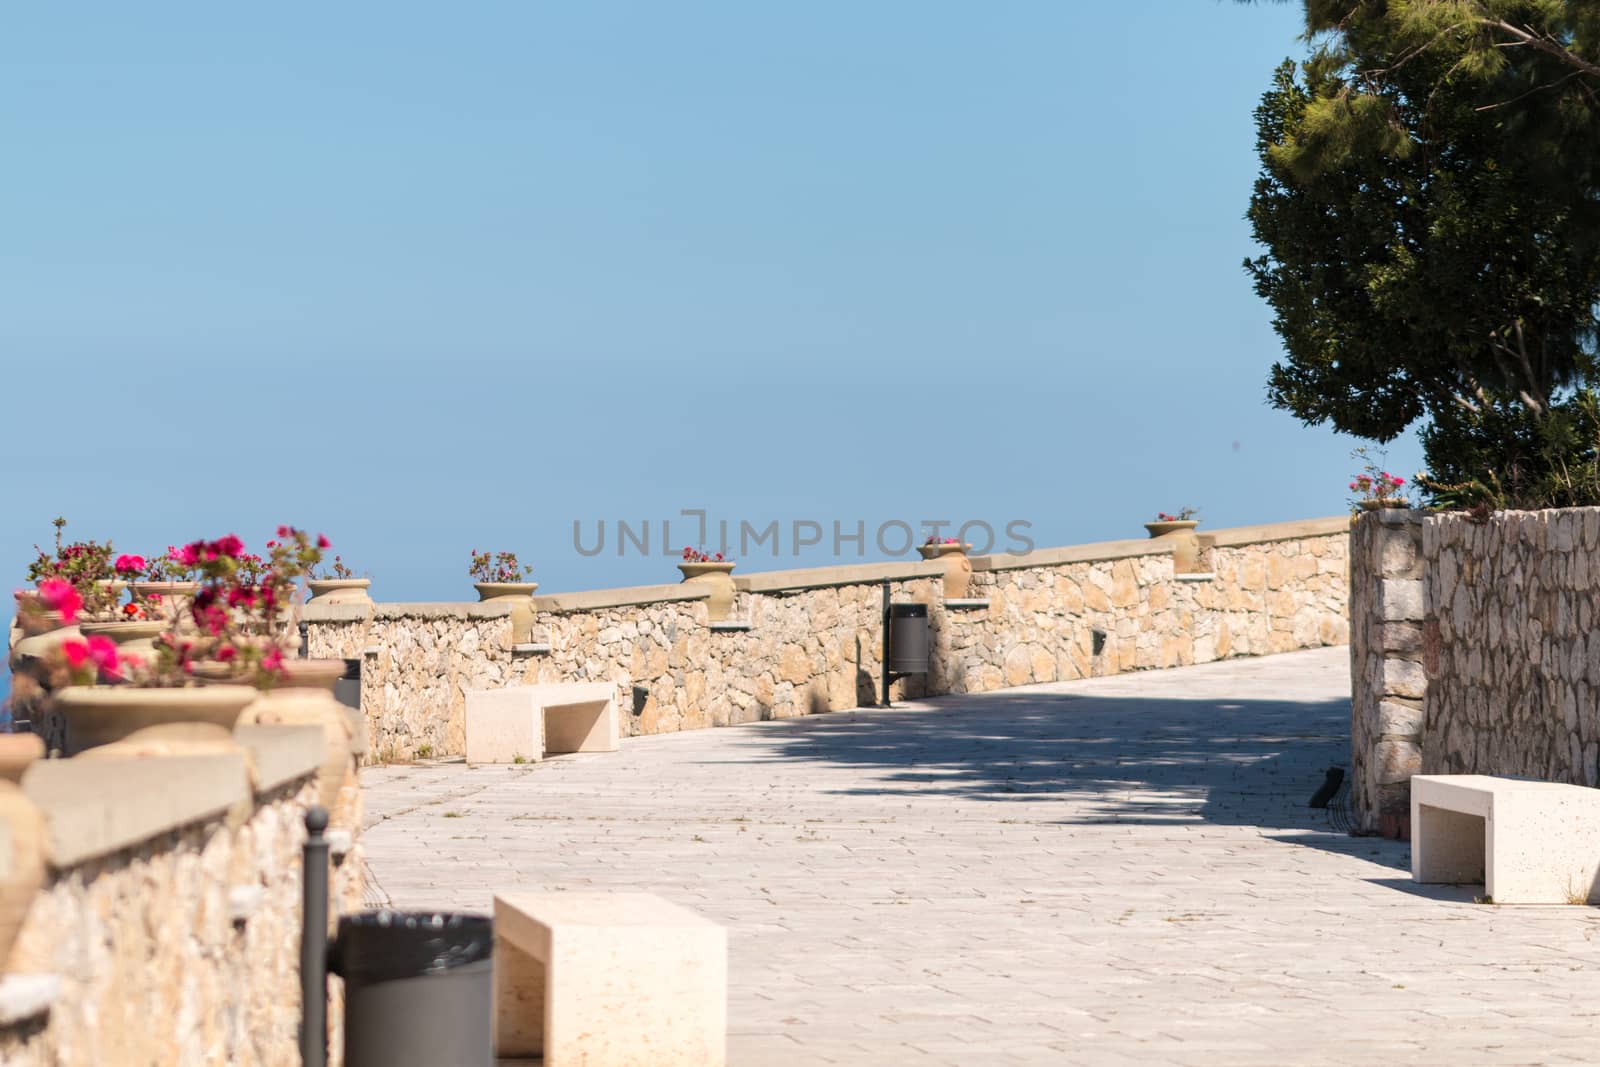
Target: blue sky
432	278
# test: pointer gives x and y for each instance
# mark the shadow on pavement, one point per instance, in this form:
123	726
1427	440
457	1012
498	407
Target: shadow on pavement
1109	759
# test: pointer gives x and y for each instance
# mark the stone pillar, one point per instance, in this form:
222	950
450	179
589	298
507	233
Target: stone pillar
1387	683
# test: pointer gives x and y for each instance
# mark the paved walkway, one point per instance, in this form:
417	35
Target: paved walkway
1116	871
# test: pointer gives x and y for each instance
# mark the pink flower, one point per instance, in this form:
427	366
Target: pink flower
273	660
226	653
77	653
129	564
188	555
323	542
229	545
103	651
57	594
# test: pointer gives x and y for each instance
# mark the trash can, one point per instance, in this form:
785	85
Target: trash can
417	988
908	639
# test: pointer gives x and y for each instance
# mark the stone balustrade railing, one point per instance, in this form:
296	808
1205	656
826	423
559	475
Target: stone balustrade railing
804	641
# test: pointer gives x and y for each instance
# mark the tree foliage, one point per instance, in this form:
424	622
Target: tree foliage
1429	201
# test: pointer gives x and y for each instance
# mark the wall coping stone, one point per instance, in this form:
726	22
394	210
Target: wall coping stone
281	753
596	599
1090	553
843	574
452	609
93	808
27	996
1278	531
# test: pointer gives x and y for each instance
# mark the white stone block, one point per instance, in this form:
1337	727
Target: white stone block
533	721
609	980
504	725
1528	842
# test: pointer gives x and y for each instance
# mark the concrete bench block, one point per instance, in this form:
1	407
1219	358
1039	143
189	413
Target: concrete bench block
532	721
609	980
1528	842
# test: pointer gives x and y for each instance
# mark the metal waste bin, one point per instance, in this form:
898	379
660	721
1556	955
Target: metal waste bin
908	639
417	988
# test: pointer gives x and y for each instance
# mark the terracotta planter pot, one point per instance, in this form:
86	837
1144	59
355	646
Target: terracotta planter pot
174	603
340	590
957	567
1167	529
504	590
100	714
26	653
42	623
136	638
1185	543
22	864
718	576
305	698
520	596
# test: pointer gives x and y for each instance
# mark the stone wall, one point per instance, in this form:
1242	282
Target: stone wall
1514	679
168	931
1386	673
808	641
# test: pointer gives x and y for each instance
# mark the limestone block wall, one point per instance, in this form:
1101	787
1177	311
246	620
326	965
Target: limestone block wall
808	641
1259	596
169	929
1514	683
1386	670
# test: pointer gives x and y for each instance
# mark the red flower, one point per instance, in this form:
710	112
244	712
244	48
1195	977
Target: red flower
57	594
285	531
323	542
226	653
77	653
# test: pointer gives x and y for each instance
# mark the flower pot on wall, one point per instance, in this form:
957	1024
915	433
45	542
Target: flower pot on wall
173	605
27	653
717	576
957	567
1382	505
1185	544
1167	529
520	596
100	714
137	637
340	590
304	697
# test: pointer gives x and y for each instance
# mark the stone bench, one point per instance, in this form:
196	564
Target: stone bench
529	722
608	980
1528	842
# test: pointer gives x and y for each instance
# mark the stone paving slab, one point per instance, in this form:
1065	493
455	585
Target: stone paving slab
1108	872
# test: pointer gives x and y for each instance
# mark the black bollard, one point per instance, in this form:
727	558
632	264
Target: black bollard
314	943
